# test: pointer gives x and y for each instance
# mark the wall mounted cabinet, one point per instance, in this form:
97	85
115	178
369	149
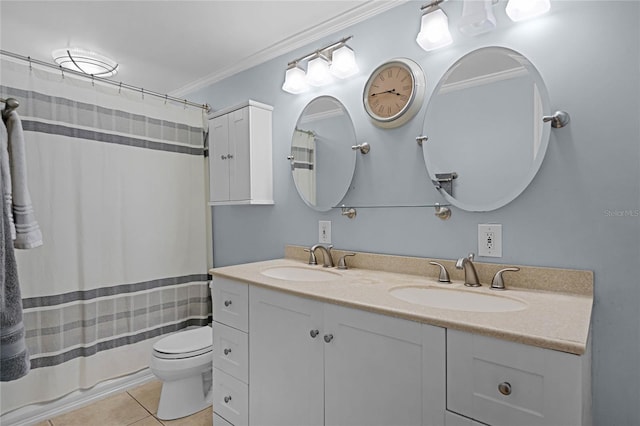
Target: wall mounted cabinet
240	158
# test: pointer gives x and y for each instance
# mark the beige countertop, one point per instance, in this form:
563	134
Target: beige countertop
558	320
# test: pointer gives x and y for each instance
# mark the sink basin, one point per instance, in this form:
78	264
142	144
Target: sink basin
296	273
458	300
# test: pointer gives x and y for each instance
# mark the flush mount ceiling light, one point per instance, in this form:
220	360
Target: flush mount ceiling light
434	29
337	60
477	17
85	61
519	10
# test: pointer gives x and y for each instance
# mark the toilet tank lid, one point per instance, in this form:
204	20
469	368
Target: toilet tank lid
185	341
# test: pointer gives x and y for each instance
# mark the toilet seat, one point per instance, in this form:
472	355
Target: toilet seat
184	344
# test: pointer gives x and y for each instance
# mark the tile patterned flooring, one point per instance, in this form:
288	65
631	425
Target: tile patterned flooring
135	407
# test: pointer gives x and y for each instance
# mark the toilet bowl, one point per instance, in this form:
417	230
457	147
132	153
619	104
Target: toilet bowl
183	361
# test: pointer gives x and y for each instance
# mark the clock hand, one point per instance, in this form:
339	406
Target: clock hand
386	91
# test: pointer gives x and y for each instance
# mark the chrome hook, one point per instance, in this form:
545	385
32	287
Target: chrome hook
364	147
442	212
558	120
349	212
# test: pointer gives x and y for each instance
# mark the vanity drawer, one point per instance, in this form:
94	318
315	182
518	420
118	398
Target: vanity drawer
230	398
230	303
231	351
505	383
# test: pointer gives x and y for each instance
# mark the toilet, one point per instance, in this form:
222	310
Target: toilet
183	361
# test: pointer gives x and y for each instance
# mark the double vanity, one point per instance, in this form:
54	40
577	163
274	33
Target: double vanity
385	343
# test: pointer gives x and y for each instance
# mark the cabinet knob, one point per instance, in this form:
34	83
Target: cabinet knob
505	388
227	351
227	303
227	399
328	337
314	333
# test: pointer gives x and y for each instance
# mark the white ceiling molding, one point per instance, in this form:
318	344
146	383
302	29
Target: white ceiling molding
354	16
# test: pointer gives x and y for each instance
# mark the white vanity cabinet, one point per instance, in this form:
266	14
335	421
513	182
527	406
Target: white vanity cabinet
502	383
240	159
313	363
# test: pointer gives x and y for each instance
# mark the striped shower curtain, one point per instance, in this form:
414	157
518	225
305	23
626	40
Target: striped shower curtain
117	184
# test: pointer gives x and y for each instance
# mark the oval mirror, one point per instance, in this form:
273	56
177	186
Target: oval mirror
322	161
486	137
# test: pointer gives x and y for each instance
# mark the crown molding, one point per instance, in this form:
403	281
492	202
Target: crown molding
339	23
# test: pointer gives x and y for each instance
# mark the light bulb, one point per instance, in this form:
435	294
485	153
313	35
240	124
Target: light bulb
477	17
519	10
295	81
318	72
343	62
434	31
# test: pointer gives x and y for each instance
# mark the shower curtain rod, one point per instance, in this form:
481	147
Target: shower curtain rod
120	84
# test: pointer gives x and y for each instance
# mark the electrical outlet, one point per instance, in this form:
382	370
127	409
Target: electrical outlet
324	231
490	240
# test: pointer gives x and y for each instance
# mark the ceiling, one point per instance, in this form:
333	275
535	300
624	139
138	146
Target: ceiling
177	47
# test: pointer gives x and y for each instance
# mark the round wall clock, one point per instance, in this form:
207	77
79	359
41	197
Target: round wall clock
394	92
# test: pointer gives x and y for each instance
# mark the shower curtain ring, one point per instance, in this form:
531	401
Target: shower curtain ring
120	88
142	91
30	68
93	83
166	96
62	71
185	104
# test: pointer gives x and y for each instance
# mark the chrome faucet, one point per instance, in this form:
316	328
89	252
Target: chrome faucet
327	260
470	274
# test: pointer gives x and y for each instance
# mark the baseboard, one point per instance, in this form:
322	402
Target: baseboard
36	413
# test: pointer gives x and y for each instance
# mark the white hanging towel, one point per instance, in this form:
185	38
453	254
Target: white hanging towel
27	230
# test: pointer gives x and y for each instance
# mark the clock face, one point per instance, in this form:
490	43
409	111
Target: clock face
390	90
394	92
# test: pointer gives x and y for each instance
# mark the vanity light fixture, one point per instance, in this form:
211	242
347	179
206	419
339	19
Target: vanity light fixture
85	61
477	17
295	80
519	10
334	60
434	29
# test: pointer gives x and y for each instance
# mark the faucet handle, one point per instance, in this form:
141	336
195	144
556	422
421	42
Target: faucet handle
471	256
342	263
444	275
498	281
312	257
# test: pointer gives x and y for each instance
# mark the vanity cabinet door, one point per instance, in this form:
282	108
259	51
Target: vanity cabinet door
239	172
286	360
377	370
218	163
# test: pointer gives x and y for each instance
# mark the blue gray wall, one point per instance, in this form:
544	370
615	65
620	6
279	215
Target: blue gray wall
581	210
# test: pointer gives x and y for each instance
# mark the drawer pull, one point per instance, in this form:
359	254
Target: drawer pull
314	333
227	303
505	388
227	351
328	337
227	399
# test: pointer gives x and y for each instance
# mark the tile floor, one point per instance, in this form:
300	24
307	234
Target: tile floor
135	407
